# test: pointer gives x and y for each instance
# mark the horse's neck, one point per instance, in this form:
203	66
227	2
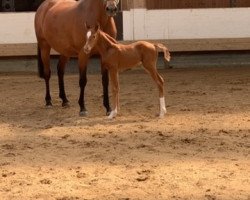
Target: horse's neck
96	11
105	43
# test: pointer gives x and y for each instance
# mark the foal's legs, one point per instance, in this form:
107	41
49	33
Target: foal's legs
82	61
45	56
60	72
115	92
151	69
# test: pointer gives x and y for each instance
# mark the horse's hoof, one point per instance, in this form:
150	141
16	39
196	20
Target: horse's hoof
83	113
48	105
65	104
108	113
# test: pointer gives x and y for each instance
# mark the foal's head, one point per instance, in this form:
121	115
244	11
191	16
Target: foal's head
91	38
111	7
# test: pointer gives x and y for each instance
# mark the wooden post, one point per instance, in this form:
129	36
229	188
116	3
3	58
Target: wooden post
139	4
233	3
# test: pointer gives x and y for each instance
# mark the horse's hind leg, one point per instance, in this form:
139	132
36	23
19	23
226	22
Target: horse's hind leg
151	69
60	72
45	57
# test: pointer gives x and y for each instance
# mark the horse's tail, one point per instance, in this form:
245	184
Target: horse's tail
40	63
164	49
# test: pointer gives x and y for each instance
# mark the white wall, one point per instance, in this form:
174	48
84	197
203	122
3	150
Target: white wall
17	28
149	24
186	23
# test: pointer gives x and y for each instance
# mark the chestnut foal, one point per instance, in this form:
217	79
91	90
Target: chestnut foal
117	57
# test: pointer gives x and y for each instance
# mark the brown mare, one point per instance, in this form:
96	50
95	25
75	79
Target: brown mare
117	57
59	24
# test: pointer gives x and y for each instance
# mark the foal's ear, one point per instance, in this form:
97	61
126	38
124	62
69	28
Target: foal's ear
97	27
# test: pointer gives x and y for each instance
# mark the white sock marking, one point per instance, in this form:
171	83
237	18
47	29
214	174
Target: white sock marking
162	107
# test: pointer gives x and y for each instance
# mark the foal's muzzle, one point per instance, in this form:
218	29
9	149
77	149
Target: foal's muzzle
86	49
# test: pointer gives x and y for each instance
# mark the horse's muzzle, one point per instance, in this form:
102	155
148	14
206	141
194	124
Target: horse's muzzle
111	10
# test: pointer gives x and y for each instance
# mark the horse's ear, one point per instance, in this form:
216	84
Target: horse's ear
86	25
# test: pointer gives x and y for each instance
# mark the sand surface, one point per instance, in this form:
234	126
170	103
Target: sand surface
200	150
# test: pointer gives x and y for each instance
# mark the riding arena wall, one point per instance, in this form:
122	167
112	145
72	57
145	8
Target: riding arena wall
183	28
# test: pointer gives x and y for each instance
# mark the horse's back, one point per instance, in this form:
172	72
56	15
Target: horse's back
46	6
59	24
43	8
53	24
41	13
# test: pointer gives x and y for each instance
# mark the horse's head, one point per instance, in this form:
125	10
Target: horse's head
91	38
111	7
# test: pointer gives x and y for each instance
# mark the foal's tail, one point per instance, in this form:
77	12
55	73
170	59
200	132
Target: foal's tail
164	49
40	63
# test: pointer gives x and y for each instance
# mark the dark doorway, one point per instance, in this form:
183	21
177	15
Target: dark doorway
19	5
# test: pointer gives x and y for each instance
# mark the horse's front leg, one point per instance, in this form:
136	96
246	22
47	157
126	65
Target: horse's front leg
110	28
115	92
60	72
82	61
105	86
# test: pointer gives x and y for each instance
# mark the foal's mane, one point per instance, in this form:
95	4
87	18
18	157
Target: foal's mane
109	37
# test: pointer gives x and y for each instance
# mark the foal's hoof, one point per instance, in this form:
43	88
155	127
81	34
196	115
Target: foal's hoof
162	113
65	104
112	115
83	113
161	116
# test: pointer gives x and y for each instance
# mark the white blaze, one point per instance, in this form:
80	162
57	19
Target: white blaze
88	34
